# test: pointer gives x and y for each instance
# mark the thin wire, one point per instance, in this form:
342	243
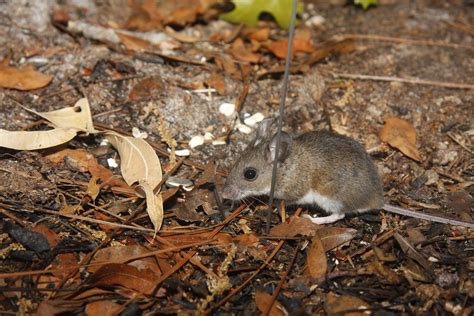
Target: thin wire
284	90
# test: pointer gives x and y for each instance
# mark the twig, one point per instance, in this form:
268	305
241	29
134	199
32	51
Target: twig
282	281
252	276
402	40
406	80
190	254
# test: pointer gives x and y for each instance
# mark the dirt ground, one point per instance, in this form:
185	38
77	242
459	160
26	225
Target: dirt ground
413	60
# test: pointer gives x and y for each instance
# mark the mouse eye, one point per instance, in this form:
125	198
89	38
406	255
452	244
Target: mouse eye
250	174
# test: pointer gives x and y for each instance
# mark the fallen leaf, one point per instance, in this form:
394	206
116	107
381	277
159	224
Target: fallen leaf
295	226
249	240
77	117
217	82
85	161
400	134
139	161
316	259
248	12
332	237
260	35
134	43
25	140
263	299
145	89
180	36
242	53
24	78
154	204
280	48
102	308
121	253
339	304
127	276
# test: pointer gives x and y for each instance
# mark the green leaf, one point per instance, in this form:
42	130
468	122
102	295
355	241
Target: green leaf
248	11
366	3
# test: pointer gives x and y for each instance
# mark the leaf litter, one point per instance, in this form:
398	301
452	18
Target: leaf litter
191	252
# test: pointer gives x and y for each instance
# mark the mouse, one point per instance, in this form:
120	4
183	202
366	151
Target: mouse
320	168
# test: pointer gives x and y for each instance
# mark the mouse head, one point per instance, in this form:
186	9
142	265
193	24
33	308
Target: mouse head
252	172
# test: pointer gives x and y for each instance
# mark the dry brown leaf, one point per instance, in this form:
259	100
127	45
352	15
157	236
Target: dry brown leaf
247	240
145	89
294	227
339	304
93	189
84	161
76	117
119	254
300	44
127	276
400	134
263	299
24	78
134	43
260	35
102	308
316	259
182	37
22	140
332	237
217	82
240	52
140	164
138	160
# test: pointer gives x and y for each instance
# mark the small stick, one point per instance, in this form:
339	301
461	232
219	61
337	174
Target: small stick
443	84
282	281
403	40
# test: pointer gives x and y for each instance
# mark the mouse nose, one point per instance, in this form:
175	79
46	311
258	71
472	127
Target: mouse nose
230	192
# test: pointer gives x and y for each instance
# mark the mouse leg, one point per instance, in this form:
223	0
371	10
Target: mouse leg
325	219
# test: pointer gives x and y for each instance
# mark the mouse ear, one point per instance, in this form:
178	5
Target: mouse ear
263	130
285	148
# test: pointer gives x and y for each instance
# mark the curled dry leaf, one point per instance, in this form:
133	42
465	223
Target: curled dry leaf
294	227
316	259
154	205
336	304
103	308
127	276
400	134
332	237
23	140
24	78
242	53
263	299
139	161
77	117
140	164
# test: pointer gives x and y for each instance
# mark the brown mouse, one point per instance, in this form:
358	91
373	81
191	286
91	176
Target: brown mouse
316	168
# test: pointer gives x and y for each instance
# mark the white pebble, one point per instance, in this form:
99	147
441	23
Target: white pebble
219	142
182	152
315	21
196	141
254	119
139	134
112	163
208	136
228	109
244	128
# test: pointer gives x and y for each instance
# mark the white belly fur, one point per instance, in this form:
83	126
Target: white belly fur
326	203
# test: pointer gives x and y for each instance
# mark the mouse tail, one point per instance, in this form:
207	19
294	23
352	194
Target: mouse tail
429	217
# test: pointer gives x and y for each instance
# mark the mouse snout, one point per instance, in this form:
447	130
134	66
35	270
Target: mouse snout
231	192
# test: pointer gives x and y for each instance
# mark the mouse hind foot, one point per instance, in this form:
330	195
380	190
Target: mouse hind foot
325	219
